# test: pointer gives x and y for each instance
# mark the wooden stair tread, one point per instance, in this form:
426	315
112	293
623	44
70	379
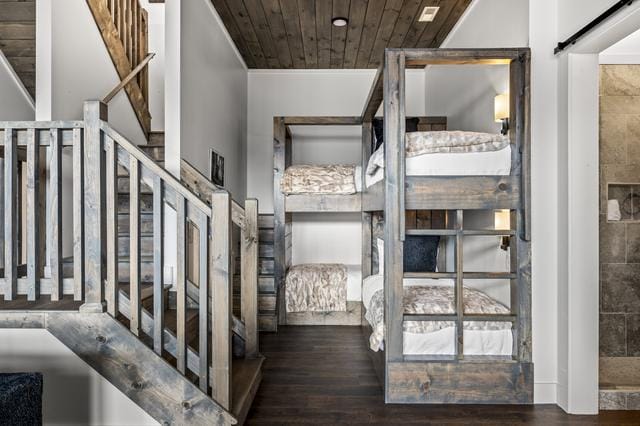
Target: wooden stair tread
246	375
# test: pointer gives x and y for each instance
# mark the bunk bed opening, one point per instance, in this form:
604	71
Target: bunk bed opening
317	187
453	330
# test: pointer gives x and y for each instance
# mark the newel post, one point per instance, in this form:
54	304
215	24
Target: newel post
94	112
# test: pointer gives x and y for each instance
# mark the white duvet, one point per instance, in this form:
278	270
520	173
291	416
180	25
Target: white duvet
489	163
442	342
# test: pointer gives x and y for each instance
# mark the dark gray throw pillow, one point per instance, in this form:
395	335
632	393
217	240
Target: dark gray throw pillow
411	125
420	253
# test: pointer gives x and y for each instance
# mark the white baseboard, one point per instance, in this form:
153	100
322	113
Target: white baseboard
545	393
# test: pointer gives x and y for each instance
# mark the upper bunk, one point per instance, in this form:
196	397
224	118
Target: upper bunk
494	189
308	202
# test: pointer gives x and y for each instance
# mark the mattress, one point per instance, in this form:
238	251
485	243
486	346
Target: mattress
480	338
488	163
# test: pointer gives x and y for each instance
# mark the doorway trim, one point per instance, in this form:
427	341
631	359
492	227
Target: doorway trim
578	313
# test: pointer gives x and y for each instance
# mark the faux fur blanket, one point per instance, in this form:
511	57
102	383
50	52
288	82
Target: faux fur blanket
420	143
316	287
434	300
331	179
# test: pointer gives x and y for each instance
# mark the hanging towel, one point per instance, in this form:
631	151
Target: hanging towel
613	210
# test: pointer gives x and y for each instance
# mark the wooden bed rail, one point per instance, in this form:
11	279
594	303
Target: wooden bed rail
100	156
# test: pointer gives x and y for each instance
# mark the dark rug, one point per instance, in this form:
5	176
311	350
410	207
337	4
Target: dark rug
20	399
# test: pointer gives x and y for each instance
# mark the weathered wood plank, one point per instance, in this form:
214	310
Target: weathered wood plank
11	217
280	162
375	97
369	31
339	34
249	276
297	203
462	192
261	26
291	20
390	15
394	119
234	31
365	263
350	317
111	167
278	33
222	294
323	33
154	385
322	121
241	17
181	283
117	49
460	383
55	214
459	286
203	316
78	215
94	112
357	12
32	231
134	245
307	11
495	56
158	264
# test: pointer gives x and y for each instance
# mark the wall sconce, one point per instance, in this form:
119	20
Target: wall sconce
501	111
502	222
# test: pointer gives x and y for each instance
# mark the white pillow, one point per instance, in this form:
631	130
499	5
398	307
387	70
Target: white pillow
380	244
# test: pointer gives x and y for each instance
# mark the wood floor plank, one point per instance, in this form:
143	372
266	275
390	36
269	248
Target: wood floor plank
323	375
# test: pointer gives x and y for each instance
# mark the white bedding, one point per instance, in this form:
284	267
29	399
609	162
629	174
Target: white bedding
354	282
489	163
442	342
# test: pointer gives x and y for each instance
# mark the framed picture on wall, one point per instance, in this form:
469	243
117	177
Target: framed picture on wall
216	168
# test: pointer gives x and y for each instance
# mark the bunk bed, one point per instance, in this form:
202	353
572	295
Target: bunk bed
470	347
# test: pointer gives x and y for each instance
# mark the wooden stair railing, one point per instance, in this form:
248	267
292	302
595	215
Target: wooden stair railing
31	240
124	28
98	154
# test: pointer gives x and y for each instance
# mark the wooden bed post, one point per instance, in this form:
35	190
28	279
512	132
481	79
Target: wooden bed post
394	130
281	160
520	133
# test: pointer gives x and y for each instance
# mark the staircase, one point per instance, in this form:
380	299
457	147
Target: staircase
267	314
18	39
176	350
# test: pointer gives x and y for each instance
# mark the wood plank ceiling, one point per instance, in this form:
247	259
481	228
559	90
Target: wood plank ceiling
18	39
299	33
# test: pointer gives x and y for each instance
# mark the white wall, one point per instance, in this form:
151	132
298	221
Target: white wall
206	93
626	51
155	22
74	393
15	102
82	69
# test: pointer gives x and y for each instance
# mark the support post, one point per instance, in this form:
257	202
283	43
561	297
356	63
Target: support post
222	294
94	112
249	276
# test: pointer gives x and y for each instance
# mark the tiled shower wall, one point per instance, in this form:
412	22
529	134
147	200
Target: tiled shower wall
619	241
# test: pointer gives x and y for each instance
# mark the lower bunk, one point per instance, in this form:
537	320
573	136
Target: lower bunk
323	294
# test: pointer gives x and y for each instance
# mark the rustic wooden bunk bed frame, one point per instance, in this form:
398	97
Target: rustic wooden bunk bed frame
432	379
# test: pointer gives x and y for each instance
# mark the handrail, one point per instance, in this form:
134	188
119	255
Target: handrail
199	184
128	78
152	166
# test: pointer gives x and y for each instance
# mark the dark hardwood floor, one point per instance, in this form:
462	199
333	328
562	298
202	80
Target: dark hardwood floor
323	375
